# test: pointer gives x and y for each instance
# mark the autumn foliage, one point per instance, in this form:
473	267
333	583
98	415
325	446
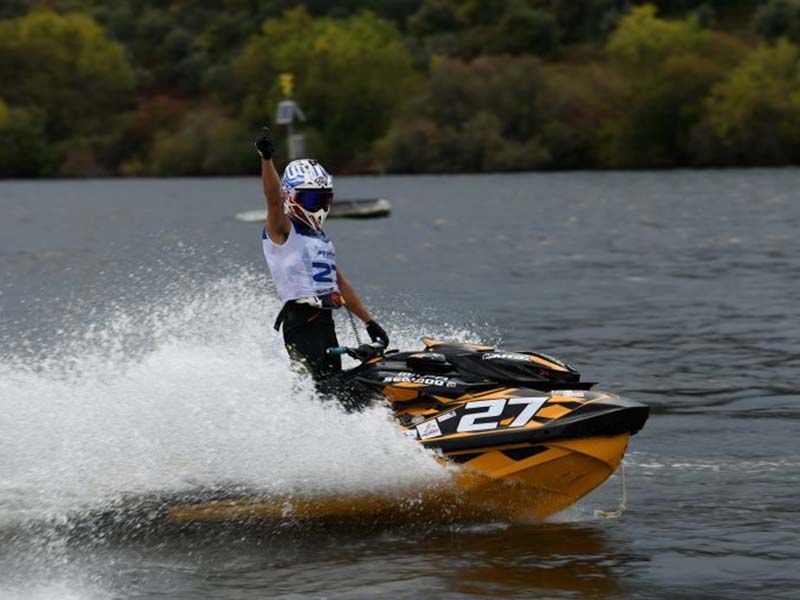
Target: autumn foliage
178	88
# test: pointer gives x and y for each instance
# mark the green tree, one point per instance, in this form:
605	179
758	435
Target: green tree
13	8
167	54
574	102
585	21
137	132
66	67
206	143
753	117
472	116
351	77
478	27
24	151
670	67
523	29
642	40
779	18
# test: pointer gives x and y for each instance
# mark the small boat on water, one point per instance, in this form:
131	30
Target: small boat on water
342	208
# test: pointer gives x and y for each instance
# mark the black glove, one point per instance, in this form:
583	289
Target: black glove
264	144
377	333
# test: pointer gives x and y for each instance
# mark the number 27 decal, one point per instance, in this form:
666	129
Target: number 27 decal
494	408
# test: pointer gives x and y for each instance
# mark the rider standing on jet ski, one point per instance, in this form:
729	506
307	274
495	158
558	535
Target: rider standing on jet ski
302	261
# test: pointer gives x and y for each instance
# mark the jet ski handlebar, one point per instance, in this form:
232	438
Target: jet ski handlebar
364	352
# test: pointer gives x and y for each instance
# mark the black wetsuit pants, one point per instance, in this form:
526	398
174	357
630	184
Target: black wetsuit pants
308	332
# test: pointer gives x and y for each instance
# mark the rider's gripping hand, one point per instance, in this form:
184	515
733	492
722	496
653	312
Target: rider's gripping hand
264	144
377	333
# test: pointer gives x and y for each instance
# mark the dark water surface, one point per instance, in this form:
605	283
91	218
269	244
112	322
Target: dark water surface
136	356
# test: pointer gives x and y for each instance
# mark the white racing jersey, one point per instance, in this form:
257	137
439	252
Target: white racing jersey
304	265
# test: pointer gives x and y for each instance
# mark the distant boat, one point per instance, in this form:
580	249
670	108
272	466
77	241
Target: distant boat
360	208
342	208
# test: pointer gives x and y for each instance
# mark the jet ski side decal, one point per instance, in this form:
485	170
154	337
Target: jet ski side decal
485	415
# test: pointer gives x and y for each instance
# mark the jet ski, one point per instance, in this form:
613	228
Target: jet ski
524	436
521	419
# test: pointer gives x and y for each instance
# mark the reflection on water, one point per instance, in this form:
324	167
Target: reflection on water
538	560
400	560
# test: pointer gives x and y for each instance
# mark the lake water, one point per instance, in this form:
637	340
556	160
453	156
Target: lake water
137	360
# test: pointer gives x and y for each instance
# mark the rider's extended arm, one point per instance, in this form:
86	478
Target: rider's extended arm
352	301
277	221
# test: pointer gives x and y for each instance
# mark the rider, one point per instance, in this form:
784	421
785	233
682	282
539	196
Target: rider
302	261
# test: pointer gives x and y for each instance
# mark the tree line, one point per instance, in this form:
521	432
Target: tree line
154	88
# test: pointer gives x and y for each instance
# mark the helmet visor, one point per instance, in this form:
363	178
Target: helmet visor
314	200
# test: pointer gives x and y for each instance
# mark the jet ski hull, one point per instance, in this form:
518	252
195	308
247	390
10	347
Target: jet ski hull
534	482
501	483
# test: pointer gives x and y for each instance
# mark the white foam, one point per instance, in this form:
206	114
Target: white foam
53	591
195	392
649	464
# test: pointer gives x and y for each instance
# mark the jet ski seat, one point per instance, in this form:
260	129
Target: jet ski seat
429	363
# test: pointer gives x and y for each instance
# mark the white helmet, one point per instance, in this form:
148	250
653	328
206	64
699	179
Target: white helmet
307	192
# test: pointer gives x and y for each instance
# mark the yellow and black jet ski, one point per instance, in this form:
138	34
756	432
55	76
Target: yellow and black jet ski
524	419
525	437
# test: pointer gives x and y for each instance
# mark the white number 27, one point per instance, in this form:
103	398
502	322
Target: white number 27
494	408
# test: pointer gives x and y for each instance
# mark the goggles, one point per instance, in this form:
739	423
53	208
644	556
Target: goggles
314	200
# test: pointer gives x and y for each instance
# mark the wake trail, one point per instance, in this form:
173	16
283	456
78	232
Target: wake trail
190	392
